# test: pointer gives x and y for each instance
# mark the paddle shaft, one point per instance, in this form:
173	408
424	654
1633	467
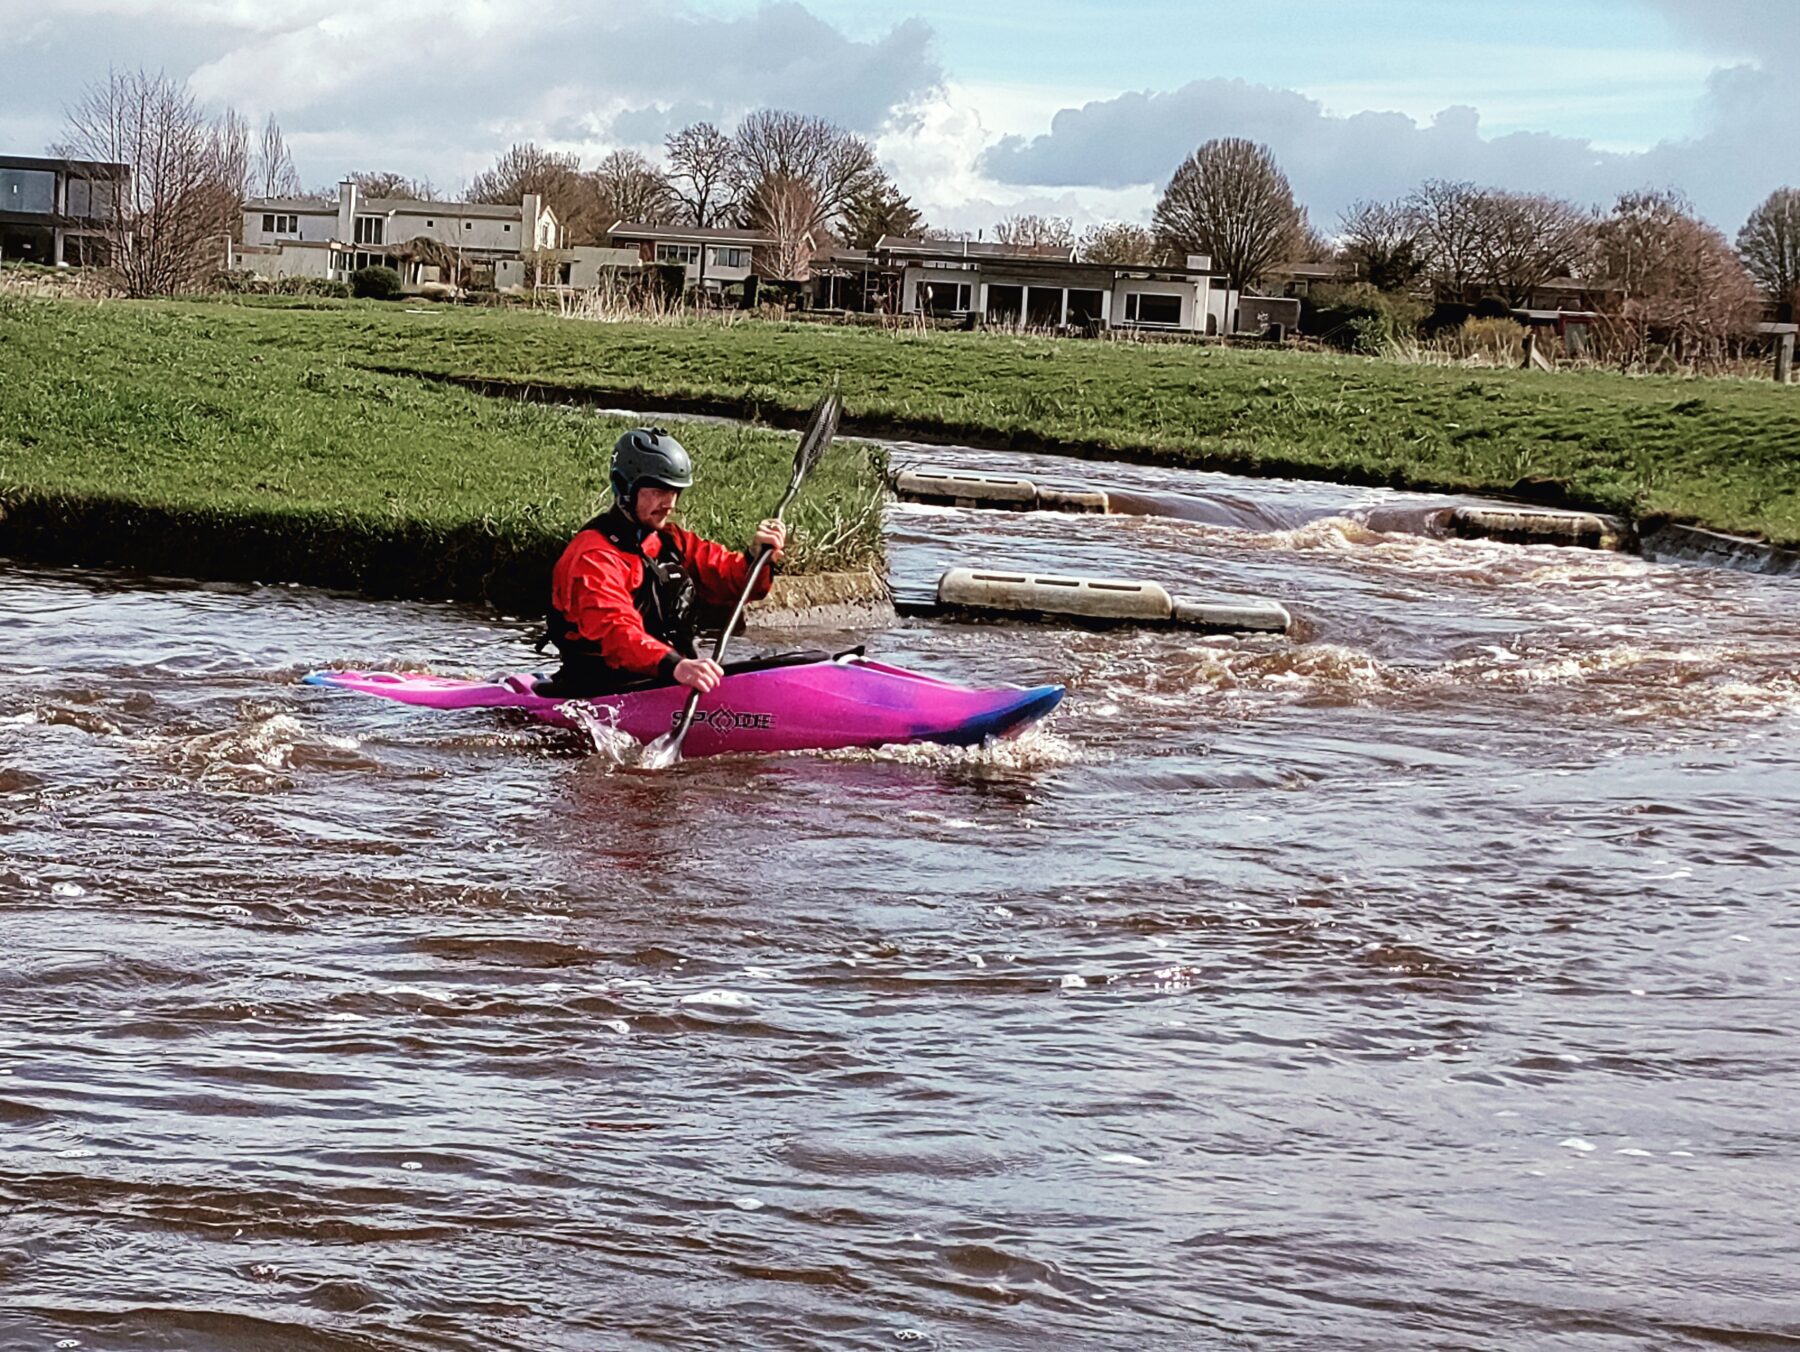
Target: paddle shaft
737	613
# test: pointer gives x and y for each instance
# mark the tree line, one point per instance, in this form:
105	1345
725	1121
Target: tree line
799	177
1648	260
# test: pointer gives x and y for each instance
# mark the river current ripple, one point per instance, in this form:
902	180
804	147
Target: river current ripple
1423	979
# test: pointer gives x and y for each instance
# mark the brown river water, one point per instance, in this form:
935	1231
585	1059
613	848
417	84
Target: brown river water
1424	979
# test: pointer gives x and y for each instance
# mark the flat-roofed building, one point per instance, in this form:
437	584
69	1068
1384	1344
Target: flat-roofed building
60	211
1045	287
714	258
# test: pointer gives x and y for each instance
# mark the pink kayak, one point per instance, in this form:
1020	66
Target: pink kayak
811	704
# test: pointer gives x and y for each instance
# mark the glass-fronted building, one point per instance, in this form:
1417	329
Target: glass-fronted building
57	211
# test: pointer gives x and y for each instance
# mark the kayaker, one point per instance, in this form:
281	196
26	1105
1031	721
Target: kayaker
623	592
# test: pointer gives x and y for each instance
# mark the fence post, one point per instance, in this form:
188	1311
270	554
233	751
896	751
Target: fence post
1784	358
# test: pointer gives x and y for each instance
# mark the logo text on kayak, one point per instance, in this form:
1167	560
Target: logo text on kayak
726	720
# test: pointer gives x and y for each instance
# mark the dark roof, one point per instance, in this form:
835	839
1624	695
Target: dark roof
1160	272
405	206
694	233
413	207
1575	284
1315	271
968	248
79	168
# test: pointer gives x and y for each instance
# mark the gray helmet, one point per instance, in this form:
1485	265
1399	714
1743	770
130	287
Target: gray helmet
649	455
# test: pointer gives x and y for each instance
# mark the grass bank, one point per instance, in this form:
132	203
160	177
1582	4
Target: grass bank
220	443
1721	453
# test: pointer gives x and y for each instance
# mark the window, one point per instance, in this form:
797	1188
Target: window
943	298
1144	307
468	225
91	198
1043	306
369	229
31	190
507	228
1087	307
731	258
430	223
277	223
368	260
677	253
1005	303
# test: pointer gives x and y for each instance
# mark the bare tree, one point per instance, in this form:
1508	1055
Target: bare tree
1030	231
169	223
834	164
1525	239
554	176
702	171
1309	244
1229	199
1383	240
879	211
787	208
524	168
1117	242
1770	245
1450	216
272	170
627	187
232	175
386	183
1674	278
232	165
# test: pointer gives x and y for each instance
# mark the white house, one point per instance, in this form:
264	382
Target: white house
1045	287
714	258
297	237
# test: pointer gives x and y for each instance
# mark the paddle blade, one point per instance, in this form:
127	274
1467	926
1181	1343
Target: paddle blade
662	753
666	750
816	439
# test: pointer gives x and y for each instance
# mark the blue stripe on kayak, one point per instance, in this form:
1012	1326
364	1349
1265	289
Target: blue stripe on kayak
1030	706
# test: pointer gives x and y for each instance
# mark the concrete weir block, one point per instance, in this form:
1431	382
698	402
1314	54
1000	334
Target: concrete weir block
1232	617
956	488
1536	526
1112	599
1696	544
965	488
1072	500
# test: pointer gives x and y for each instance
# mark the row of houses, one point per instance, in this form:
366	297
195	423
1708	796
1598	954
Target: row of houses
61	212
509	246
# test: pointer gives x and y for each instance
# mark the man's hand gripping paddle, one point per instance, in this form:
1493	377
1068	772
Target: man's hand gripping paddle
666	750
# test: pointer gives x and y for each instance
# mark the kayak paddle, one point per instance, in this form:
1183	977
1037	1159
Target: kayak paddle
820	429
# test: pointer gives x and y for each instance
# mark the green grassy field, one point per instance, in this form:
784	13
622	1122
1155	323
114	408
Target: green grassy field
278	414
1722	453
231	443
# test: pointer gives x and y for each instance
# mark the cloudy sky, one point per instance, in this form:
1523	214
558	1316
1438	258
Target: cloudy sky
982	108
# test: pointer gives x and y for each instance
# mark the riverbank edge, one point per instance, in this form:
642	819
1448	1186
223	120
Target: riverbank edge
1682	538
406	560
